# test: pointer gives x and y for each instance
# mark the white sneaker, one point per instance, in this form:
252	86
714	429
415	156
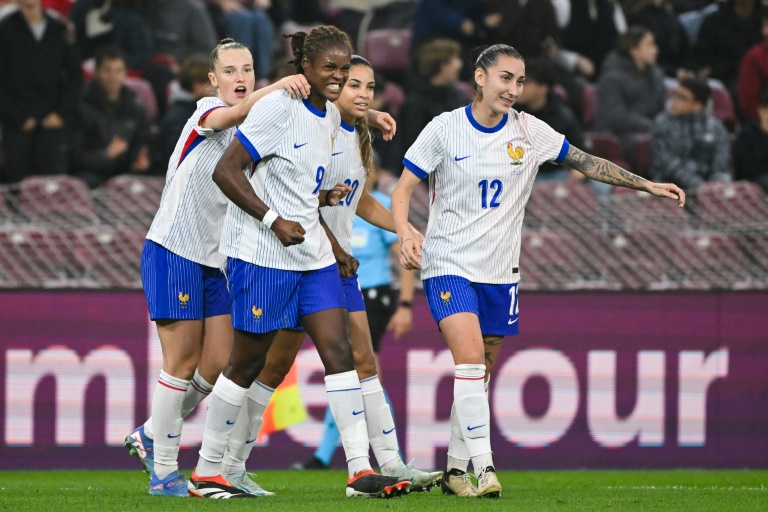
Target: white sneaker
421	480
458	482
242	480
488	485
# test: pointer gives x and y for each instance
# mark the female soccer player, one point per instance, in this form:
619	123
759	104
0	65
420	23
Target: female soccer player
282	273
181	267
352	163
482	161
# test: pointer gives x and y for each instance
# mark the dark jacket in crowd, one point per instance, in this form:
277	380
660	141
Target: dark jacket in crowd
750	155
183	105
443	18
690	150
100	121
180	27
527	27
36	78
628	99
593	38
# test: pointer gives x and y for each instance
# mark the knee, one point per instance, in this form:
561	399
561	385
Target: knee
337	357
272	374
365	363
181	367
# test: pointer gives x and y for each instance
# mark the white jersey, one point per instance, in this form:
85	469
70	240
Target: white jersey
192	208
291	141
346	167
480	180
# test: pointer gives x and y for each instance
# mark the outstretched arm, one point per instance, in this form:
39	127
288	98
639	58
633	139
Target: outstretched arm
603	170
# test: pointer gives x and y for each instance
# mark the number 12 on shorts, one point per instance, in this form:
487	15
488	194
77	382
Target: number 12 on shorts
514	306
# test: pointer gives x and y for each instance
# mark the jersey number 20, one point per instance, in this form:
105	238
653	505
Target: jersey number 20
496	186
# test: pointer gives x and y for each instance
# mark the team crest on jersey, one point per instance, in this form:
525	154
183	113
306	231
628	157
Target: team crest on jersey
446	296
256	313
183	299
515	153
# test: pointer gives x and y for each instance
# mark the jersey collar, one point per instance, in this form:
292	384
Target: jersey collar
311	108
482	128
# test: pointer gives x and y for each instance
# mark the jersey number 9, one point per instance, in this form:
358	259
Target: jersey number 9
319	179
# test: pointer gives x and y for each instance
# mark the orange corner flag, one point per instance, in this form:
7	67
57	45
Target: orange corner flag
285	408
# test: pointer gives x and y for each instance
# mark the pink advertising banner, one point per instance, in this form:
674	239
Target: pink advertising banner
594	380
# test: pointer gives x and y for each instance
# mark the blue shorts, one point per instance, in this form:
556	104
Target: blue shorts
496	305
179	289
267	299
352	294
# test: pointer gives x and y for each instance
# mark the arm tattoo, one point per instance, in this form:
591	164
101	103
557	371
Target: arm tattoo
602	170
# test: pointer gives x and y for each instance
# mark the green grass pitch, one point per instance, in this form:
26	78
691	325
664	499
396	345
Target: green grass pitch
721	491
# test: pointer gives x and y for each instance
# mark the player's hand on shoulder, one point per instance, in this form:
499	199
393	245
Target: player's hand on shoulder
296	85
669	190
384	122
288	231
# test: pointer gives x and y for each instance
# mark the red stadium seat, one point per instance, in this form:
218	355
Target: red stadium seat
588	105
755	246
132	200
60	200
564	206
739	205
32	256
638	211
109	257
636	261
144	91
608	146
710	260
722	104
388	49
394	96
643	148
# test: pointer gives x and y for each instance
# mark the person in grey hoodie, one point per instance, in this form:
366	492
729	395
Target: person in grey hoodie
630	90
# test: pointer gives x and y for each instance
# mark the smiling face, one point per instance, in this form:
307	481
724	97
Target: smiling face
327	74
502	85
357	95
233	75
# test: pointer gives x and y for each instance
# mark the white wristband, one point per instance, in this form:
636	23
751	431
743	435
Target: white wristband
269	218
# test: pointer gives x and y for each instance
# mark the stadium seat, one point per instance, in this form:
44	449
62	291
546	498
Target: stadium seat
144	91
588	105
636	211
755	246
394	96
635	261
709	260
58	200
33	257
740	205
559	205
131	200
722	104
608	146
642	149
109	257
388	49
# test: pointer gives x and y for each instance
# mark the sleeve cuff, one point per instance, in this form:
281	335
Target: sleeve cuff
415	169
255	156
563	151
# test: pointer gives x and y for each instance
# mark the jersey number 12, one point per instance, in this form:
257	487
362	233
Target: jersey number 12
496	186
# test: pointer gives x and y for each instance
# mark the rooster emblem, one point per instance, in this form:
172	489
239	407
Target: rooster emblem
256	313
183	299
515	153
446	296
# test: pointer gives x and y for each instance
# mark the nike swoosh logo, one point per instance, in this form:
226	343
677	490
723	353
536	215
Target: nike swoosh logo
249	442
297	146
512	321
388	431
457	159
355	413
474	428
173	437
334	154
230	422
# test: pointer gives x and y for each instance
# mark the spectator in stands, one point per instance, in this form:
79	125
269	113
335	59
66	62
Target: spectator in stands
751	149
192	85
438	64
753	75
114	127
461	20
592	29
724	38
180	28
527	26
119	22
674	49
39	83
247	21
630	90
690	146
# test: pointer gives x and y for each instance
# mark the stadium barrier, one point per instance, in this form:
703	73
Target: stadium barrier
595	380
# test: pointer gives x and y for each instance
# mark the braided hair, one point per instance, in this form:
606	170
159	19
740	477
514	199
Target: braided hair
312	44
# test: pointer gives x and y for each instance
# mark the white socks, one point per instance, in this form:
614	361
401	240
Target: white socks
473	413
458	456
346	402
247	428
226	401
381	425
196	393
166	411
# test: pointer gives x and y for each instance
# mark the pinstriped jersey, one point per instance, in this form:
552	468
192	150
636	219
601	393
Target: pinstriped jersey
192	208
480	180
290	142
346	167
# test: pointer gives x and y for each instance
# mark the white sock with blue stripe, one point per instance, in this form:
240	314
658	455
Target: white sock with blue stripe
381	425
226	400
346	402
473	413
166	411
247	428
